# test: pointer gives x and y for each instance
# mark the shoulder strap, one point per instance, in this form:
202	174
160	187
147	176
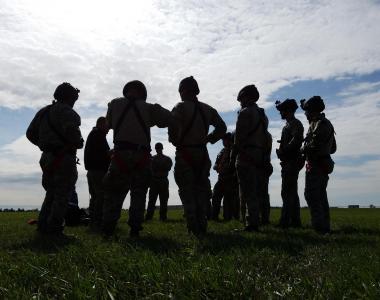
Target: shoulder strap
55	130
192	120
132	104
141	121
122	117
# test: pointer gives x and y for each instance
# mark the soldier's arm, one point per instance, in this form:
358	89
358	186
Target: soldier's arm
175	128
71	123
109	116
170	163
220	127
161	117
243	126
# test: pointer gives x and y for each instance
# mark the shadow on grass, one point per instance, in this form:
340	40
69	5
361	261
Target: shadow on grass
349	229
47	244
157	245
291	242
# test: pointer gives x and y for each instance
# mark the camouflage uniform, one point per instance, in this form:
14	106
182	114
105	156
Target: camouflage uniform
225	187
59	138
252	143
291	163
192	162
319	144
129	169
159	186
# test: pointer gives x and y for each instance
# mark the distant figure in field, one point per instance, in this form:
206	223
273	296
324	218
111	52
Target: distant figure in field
252	143
225	187
289	153
131	118
319	145
192	162
96	161
159	185
55	130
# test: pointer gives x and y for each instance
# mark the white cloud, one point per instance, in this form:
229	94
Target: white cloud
98	46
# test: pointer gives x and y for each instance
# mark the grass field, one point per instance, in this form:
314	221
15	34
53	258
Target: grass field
168	263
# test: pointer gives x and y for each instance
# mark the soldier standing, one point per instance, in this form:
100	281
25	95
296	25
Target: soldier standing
224	187
131	118
55	129
319	145
96	162
289	153
251	143
192	162
159	185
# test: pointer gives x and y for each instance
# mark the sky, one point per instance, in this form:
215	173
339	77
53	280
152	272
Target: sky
293	49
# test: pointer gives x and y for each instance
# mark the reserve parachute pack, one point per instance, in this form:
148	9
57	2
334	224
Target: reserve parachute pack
33	131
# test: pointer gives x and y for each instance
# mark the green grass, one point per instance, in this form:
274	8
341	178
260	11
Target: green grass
168	263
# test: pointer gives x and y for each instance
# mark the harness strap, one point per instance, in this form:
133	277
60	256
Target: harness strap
192	120
132	104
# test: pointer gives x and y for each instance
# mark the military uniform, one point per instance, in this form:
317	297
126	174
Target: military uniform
225	187
318	147
96	162
264	174
129	169
252	141
159	186
59	138
192	162
291	163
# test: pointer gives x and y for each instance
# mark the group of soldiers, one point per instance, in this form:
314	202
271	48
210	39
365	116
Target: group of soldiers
243	166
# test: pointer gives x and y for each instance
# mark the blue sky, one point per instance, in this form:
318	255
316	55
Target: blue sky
293	50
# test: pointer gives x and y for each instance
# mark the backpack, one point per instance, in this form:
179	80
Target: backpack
33	131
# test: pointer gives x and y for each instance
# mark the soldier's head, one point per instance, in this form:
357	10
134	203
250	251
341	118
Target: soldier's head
188	89
102	124
287	108
66	93
248	94
159	147
135	90
313	107
228	139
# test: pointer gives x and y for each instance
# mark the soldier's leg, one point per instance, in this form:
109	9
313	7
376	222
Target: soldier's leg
91	191
64	179
265	204
48	185
96	188
164	197
45	210
116	187
236	200
248	184
313	197
185	178
295	211
153	194
286	198
217	195
203	193
325	203
139	188
227	201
